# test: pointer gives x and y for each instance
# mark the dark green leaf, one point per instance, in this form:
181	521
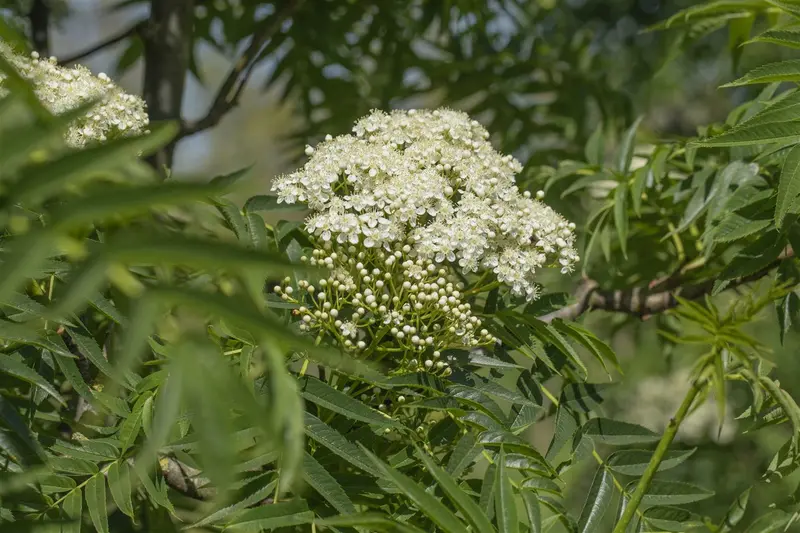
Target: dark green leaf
789	186
505	506
617	433
634	462
662	492
433	508
471	511
326	485
95	494
597	501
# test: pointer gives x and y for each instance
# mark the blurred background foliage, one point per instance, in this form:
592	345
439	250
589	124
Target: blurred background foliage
542	76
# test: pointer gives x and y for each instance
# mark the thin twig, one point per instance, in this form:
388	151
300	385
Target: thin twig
114	39
231	90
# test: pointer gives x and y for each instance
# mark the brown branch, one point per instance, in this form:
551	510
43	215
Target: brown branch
231	89
39	17
642	301
114	39
168	38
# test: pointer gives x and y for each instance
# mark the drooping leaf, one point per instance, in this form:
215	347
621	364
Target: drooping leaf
505	506
625	150
471	511
373	521
120	485
12	366
426	502
325	396
621	215
72	509
735	512
597	501
326	485
273	516
334	441
95	493
789	185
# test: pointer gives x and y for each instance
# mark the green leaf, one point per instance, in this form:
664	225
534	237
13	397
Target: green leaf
80	467
22	442
427	503
746	134
788	38
465	452
597	501
375	522
257	231
326	485
670	519
131	426
735	227
617	433
234	219
531	503
269	517
72	509
40	181
566	424
471	511
662	492
595	147
325	396
89	349
12	366
789	186
110	202
787	309
120	485
735	512
772	522
625	151
773	72
599	349
264	202
334	441
254	492
634	462
621	215
95	493
505	506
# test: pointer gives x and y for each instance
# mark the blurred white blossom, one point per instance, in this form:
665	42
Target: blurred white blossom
62	89
430	179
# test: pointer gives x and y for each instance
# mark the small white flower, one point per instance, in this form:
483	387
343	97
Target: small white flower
62	89
395	181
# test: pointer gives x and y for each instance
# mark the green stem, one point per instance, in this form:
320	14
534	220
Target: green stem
655	461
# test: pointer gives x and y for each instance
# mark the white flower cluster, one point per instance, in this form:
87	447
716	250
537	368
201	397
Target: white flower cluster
430	178
384	304
64	89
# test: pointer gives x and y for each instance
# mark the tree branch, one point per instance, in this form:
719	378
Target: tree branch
231	89
641	301
114	39
39	18
168	39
